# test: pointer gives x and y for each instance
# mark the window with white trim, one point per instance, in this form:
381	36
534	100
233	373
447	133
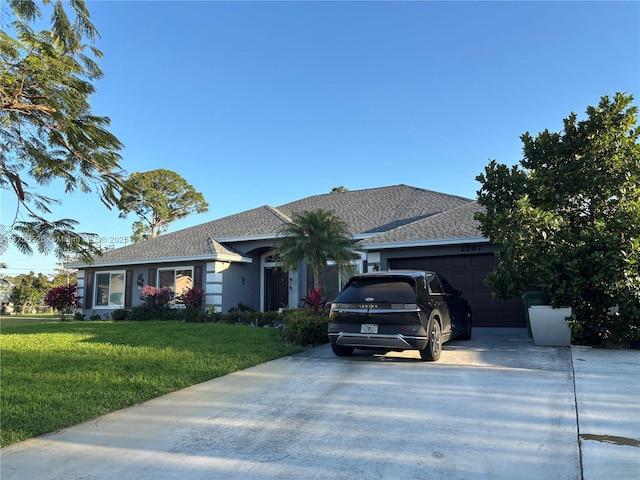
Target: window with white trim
177	279
334	278
109	289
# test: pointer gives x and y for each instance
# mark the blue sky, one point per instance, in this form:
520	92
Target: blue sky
263	103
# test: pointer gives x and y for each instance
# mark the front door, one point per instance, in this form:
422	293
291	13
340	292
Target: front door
276	291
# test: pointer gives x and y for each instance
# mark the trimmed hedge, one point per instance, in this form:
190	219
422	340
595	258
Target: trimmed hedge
305	328
300	326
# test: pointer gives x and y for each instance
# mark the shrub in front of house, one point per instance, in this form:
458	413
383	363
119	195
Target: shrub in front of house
315	301
144	313
300	326
236	316
156	297
156	305
119	315
195	315
191	298
303	327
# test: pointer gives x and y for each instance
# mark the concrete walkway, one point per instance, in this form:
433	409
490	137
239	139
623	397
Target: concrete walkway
497	407
607	388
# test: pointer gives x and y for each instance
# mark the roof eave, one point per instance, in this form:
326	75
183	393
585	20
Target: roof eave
247	238
424	243
215	257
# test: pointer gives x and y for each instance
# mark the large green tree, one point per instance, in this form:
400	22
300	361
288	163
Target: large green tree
568	217
28	291
158	198
315	237
47	128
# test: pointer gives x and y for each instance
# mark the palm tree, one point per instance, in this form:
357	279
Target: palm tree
314	237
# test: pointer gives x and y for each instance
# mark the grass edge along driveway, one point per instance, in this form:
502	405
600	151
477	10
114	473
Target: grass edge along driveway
55	375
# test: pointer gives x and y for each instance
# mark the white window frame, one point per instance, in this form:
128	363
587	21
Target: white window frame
110	305
174	270
342	280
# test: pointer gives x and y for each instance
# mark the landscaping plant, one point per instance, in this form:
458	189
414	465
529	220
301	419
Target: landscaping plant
156	297
315	300
568	219
315	237
62	299
303	327
191	297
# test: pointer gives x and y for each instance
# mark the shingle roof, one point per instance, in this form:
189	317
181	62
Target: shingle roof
378	209
403	212
456	223
193	241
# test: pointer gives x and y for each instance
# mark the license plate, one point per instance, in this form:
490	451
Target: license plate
369	328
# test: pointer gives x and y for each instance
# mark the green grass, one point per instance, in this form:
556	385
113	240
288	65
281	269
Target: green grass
55	375
13	320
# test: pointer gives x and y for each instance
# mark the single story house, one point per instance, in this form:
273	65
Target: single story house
233	259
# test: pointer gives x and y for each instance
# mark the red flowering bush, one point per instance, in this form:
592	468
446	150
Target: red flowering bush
156	297
314	300
63	298
192	298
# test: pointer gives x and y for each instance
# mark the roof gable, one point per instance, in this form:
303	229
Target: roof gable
199	241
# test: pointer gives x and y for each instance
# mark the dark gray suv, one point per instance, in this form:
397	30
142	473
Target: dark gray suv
398	310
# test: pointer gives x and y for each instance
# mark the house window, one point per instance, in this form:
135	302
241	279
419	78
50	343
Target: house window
333	278
177	279
273	258
109	291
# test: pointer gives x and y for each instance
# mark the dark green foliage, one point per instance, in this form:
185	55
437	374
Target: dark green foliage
242	308
158	198
305	328
194	315
145	313
47	129
249	317
316	237
300	326
28	291
568	218
119	315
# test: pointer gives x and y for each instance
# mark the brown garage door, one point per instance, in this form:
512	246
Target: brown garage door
467	272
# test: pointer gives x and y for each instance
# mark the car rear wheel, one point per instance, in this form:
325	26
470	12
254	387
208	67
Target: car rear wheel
431	352
341	350
468	328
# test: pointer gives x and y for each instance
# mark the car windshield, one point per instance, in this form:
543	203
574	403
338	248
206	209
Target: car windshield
383	290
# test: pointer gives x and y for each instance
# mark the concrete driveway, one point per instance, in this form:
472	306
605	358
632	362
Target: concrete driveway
497	407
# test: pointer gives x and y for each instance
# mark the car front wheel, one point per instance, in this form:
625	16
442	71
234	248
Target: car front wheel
431	352
341	350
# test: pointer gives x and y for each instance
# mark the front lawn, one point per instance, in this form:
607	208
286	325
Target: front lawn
55	375
14	320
